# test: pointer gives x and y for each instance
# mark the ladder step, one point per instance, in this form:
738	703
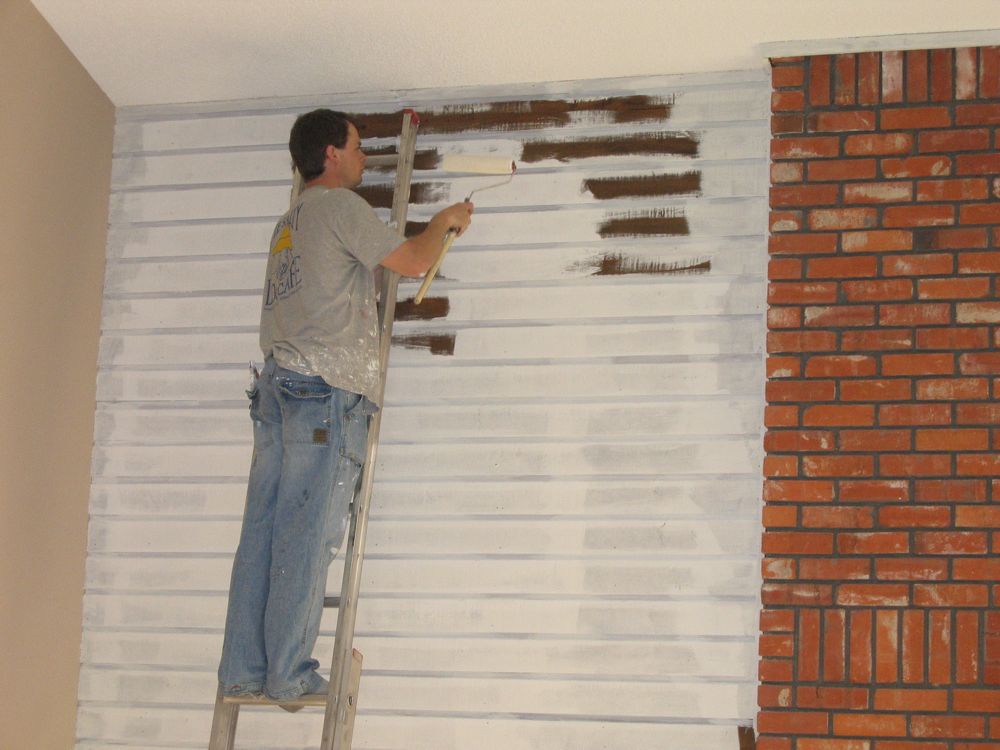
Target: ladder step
331	602
309	699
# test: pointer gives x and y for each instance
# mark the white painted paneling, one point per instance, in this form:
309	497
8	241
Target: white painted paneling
563	549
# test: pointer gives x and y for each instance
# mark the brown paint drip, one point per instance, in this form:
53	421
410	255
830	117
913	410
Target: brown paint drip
676	144
517	115
437	344
380	196
655	184
746	738
428	309
617	264
426	159
644	223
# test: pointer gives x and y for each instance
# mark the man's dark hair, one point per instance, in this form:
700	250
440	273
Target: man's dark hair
311	134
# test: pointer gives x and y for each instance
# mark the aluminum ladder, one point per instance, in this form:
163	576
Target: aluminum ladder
345	675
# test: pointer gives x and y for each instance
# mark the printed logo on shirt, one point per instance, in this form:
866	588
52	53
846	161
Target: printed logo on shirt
284	276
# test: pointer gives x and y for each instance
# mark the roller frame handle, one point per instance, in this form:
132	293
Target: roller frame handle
432	271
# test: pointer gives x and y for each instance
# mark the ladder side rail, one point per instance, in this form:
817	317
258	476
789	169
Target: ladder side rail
337	721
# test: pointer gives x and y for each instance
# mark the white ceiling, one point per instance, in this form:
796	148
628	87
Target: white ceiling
169	51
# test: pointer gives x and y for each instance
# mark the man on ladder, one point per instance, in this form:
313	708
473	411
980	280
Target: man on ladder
310	405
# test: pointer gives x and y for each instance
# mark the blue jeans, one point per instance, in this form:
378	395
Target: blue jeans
309	445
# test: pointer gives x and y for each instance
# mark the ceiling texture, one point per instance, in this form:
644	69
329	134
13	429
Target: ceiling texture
171	51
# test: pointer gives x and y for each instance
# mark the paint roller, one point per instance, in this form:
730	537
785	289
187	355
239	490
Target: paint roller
466	164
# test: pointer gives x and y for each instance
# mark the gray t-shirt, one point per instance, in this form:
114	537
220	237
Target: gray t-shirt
319	315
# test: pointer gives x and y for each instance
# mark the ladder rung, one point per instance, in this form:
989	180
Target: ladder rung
310	699
331	602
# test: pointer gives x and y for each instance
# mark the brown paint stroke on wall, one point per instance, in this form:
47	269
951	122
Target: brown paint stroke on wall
430	308
619	264
380	196
425	159
517	115
747	739
604	188
413	228
443	343
675	144
658	222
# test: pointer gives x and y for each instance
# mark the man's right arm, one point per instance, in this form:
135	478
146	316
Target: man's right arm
418	253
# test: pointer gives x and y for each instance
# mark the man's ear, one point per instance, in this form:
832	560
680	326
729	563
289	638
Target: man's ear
331	153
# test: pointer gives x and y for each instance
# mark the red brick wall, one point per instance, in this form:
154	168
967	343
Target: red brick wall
881	627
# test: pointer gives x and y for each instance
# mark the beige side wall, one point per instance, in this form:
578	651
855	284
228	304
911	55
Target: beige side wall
56	130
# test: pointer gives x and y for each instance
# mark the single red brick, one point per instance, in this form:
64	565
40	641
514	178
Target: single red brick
878	144
926	215
950	543
985	701
916	75
967	288
950	490
979	262
869	725
913	118
874	241
808	639
952	338
784	268
840	316
774	696
977	164
834	569
915	465
920	314
914	635
793	722
977	114
980	213
950	595
798	491
956	238
784	101
807	147
976	569
781	416
950	141
875	390
979	364
801	341
911	569
781	466
915	166
788	124
842	267
886	646
807	390
875	440
874	491
773	743
989	80
869	78
837	517
978	414
952	389
878	192
860	646
784	317
784	221
804	195
967	643
796	543
809	696
839	365
840	121
780	516
873	595
784	76
777	620
802	243
939	648
873	543
800	293
878	290
978	516
845	79
877	340
892	77
827	743
834	650
784	367
965	73
787	171
839	416
821	219
901	699
775	645
942	63
977	464
915	516
918	364
796	441
796	594
960	189
838	170
953	440
914	414
947	726
918	265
